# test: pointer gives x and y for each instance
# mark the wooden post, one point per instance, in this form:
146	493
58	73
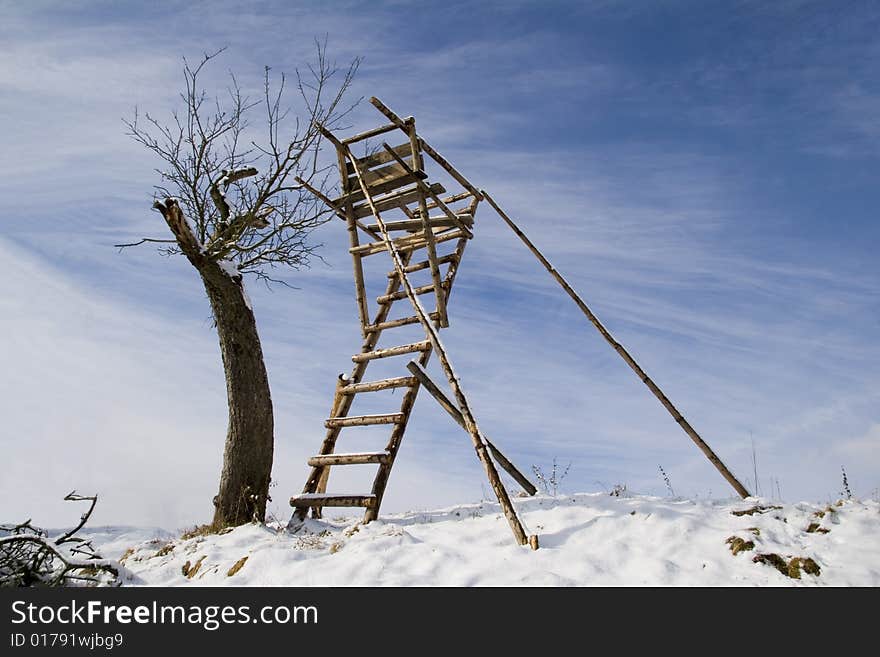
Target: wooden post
360	291
470	422
341	381
431	248
623	353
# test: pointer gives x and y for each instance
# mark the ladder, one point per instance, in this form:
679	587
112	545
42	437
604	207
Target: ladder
409	219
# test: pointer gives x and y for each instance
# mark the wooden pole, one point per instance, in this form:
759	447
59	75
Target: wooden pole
359	287
676	415
418	165
341	381
470	422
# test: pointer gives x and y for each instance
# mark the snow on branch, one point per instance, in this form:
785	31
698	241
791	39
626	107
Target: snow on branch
28	557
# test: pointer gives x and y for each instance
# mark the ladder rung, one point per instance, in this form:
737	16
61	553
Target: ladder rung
325	499
363	420
416	224
425	345
448	200
349	459
407	243
424	264
382	384
397	296
403	321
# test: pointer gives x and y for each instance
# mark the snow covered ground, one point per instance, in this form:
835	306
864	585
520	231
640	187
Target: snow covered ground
586	540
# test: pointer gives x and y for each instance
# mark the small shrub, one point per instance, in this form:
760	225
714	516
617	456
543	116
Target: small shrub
846	492
666	481
166	549
619	490
550	482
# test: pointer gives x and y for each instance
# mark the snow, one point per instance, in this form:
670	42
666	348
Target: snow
231	269
586	540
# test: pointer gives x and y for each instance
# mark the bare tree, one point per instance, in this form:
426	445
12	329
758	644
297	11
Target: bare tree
229	195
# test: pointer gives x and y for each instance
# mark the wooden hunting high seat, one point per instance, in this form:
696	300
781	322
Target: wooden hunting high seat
408	217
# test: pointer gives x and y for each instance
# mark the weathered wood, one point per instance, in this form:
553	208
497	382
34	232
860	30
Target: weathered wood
419	373
425	345
470	422
390	172
381	384
393	201
407	243
307	500
423	209
353	241
387	184
427	230
363	420
454	263
434	222
380	157
624	354
394	323
382	129
380	481
451	199
330	136
357	374
397	296
363	458
439	159
424	264
341	382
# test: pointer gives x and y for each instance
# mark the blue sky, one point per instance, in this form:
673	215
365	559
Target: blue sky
705	174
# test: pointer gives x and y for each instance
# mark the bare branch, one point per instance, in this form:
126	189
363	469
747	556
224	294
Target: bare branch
29	558
144	240
73	497
242	194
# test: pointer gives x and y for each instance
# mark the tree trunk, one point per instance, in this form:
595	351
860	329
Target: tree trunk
247	457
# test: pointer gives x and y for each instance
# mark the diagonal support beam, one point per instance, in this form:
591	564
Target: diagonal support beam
419	373
623	353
